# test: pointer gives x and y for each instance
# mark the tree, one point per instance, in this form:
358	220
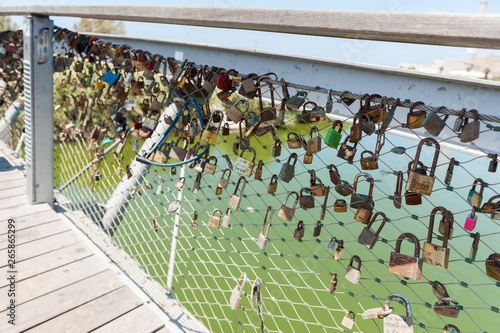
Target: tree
100	26
6	24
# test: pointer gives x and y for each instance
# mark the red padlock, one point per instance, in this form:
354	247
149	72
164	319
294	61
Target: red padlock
470	221
223	80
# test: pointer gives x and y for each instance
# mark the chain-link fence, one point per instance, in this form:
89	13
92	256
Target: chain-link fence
302	268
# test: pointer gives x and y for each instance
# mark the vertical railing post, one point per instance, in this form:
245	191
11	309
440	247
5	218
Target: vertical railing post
39	108
175	232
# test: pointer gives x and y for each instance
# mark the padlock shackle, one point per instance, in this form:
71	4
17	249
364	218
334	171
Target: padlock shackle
400	239
478	180
294	156
313	130
436	155
354	257
216	210
242	178
384	220
269	210
449	299
274	178
241	282
448	326
419	112
250	149
439	290
211	119
296	198
224	172
447	226
369	178
402	297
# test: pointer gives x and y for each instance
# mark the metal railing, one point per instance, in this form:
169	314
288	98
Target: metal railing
200	265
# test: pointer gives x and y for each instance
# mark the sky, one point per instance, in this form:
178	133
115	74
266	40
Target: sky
369	52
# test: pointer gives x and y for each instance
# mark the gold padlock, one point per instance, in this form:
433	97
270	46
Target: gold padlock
434	254
418	182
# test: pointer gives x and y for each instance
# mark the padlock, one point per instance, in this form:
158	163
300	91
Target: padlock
186	116
331	243
211	165
317	187
343	188
306	115
197	183
293	141
340	206
448	327
339	251
410	267
296	101
285	212
276	149
234	114
434	254
158	101
414	119
299	231
333	136
180	183
353	274
474	198
493	164
449	171
227	219
376	313
421	183
376	113
356	131
273	184
333	283
433	124
251	131
235	299
493	266
149	125
364	211
225	129
348	322
288	169
412	198
447	310
317	229
258	171
395	323
367	237
194	128
214	221
399	188
334	174
262	240
358	198
370	162
367	125
495	214
308	158
177	152
185	131
489	206
267	113
306	201
459	122
243	142
471	220
244	166
443	223
247	86
314	142
470	131
347	152
474	247
235	201
173	171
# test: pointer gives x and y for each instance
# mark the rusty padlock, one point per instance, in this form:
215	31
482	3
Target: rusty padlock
470	130
434	254
414	119
421	183
285	212
369	238
410	267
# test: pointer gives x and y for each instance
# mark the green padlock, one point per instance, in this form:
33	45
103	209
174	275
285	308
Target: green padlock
333	136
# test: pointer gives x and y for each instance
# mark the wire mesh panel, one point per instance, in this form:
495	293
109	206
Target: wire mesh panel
318	264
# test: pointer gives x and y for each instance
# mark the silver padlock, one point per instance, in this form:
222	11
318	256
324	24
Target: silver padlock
397	323
262	241
234	114
227	218
235	299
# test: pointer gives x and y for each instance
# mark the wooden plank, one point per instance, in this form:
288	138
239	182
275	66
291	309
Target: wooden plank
62	300
38	232
48	261
22	210
42	246
6	176
477	30
13	201
13	183
99	311
140	320
50	282
30	221
15	191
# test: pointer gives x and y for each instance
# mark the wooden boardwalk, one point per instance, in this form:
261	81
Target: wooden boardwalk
63	283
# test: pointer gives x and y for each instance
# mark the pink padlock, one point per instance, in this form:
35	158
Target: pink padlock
470	221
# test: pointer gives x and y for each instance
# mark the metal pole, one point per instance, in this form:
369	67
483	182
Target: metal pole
9	118
19	145
39	108
175	232
118	202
